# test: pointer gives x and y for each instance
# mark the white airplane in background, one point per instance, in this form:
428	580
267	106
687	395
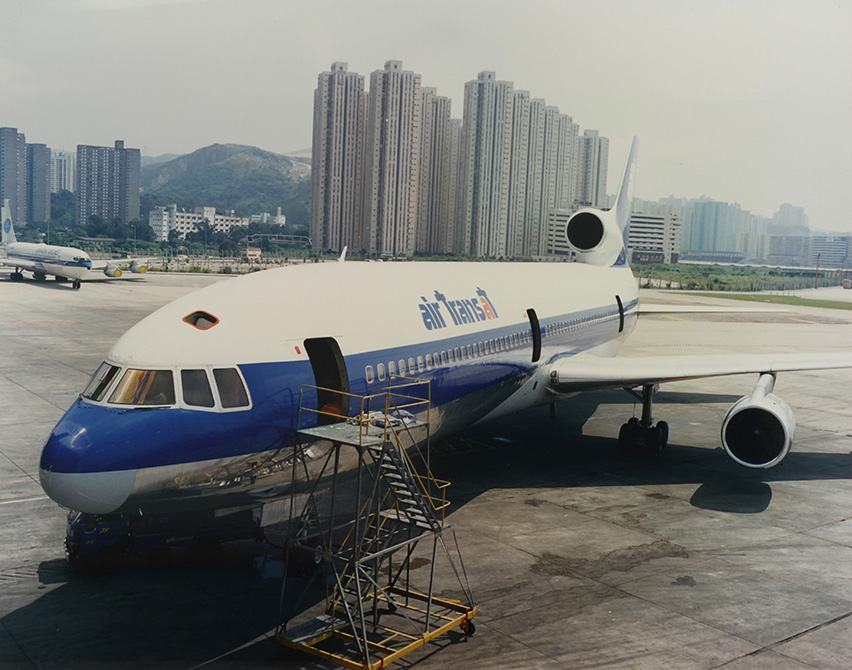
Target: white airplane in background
197	406
61	262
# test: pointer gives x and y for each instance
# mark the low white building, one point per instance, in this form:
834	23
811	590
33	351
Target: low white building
654	238
165	219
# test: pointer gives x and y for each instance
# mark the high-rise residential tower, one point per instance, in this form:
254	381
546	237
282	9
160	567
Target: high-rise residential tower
62	168
487	146
392	161
592	163
337	163
38	182
436	190
108	182
13	172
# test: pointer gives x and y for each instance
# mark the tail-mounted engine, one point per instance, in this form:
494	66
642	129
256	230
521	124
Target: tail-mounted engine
595	235
598	235
758	430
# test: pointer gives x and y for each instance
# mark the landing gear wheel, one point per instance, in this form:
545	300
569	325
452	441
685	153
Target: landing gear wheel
76	285
17	276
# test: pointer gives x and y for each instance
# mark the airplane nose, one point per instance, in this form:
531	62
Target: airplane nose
91	492
76	470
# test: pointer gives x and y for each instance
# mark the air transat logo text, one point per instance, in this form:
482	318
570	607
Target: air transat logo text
443	311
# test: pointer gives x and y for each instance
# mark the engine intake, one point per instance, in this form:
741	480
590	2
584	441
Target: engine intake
758	430
585	231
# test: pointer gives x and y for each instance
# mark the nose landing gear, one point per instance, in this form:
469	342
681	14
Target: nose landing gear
641	433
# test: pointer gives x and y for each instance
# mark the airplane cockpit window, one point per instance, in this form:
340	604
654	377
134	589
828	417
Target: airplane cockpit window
232	392
145	387
100	382
196	388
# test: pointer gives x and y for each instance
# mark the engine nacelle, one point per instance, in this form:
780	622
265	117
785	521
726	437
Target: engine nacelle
138	267
758	430
112	271
595	235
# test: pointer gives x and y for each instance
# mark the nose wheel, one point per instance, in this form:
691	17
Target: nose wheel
643	434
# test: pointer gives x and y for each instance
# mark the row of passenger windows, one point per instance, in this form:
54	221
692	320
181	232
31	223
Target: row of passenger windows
573	324
152	388
477	349
446	357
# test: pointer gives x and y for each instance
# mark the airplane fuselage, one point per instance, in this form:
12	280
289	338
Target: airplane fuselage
229	363
46	259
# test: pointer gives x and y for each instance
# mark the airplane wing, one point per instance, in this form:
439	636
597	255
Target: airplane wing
704	309
587	371
112	267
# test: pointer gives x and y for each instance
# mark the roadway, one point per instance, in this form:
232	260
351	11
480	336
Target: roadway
579	557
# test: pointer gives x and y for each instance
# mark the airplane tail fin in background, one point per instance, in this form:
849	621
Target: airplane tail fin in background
599	236
8	229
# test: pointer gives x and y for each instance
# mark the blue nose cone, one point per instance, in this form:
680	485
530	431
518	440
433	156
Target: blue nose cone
77	468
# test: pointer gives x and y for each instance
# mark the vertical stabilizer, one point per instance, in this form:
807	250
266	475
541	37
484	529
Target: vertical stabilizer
599	236
8	229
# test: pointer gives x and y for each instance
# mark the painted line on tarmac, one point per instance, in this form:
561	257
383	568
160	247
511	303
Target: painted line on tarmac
21	500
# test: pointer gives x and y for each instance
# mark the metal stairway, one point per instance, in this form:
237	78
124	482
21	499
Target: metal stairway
366	510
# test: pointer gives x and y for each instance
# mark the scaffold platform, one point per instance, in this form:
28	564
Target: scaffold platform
372	518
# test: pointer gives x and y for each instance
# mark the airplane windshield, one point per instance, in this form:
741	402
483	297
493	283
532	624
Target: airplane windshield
100	382
145	387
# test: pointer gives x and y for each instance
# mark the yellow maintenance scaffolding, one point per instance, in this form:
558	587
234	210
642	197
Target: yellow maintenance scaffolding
363	499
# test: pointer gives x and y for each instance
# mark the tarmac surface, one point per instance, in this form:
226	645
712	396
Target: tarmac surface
579	556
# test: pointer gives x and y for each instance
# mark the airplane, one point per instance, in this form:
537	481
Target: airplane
61	262
197	406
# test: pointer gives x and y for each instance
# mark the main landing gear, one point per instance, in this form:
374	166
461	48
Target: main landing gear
76	284
642	433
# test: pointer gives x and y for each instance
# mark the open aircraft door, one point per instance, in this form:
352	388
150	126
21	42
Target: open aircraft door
330	377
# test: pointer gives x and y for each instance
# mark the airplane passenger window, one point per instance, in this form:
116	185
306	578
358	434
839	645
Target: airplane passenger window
420	364
401	367
391	368
381	370
428	361
232	393
368	372
411	367
145	387
100	382
196	388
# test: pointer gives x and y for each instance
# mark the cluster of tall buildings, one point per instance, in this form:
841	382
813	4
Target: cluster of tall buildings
106	179
394	174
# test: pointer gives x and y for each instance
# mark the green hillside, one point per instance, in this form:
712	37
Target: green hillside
245	179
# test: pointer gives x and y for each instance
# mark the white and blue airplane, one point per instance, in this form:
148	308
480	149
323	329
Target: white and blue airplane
196	406
61	262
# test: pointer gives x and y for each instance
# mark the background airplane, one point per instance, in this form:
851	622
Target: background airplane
198	405
61	262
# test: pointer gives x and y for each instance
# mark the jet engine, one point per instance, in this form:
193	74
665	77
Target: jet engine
112	271
138	267
595	235
758	430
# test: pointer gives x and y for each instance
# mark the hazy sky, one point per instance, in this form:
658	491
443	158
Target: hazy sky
746	101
